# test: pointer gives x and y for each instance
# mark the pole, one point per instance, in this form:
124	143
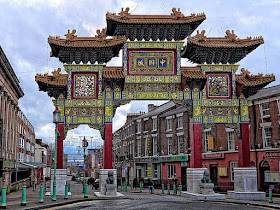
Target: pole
23	197
66	191
180	190
168	189
41	199
270	194
3	197
125	168
86	194
162	189
54	165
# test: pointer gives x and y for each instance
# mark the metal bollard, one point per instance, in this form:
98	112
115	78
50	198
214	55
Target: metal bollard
66	191
125	187
131	186
34	187
174	189
121	187
86	194
45	187
69	187
54	192
162	189
180	189
41	199
153	189
23	197
270	195
3	197
140	188
168	189
83	187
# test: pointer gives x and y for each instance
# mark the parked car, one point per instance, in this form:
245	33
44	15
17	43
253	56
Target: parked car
96	183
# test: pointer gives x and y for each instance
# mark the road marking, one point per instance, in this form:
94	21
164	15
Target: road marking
68	205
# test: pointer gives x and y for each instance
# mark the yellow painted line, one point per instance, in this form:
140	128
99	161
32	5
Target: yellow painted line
68	205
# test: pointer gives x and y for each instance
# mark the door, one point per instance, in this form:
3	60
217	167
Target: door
264	166
214	175
184	178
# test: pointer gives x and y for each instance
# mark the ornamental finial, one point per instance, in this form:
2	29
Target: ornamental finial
177	14
71	36
231	36
124	14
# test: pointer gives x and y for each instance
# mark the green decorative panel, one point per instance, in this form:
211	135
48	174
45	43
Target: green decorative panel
152	79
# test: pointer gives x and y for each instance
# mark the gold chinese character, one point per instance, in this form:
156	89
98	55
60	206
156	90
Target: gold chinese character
140	63
151	62
162	62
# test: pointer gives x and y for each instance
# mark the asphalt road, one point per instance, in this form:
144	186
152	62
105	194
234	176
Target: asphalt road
156	202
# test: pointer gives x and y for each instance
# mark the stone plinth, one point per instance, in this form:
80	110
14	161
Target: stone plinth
246	185
194	176
103	175
111	189
60	181
196	196
206	188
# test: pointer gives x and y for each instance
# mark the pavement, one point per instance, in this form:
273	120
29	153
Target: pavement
13	200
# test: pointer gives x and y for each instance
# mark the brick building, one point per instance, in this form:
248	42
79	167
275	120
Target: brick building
10	93
156	144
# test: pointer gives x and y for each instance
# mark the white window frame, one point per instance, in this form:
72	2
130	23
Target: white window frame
232	165
154	124
154	171
180	144
266	143
154	145
138	147
146	146
168	124
207	133
171	171
265	112
169	143
138	127
230	139
180	122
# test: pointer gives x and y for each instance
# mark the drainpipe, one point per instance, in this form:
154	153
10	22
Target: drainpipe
255	136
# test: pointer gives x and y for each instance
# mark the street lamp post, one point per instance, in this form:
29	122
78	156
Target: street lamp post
85	145
126	168
56	120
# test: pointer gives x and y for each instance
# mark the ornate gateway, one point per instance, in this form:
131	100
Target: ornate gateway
151	70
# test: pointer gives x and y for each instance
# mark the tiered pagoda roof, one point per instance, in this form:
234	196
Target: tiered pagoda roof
174	26
229	49
75	49
249	84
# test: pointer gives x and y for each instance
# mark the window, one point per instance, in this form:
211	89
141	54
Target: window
155	124
267	137
171	171
146	146
233	164
207	134
169	124
138	127
32	149
169	140
154	171
139	147
231	143
180	144
21	157
27	146
21	143
180	122
27	158
265	109
154	145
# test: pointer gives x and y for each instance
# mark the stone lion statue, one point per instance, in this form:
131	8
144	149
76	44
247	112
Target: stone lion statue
206	177
110	179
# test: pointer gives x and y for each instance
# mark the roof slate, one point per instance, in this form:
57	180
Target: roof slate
179	109
266	93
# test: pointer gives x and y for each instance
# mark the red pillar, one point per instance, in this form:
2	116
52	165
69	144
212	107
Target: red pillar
244	151
60	146
196	146
108	151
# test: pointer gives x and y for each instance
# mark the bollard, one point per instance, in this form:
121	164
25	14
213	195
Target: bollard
162	189
270	195
23	197
83	187
140	188
69	187
86	194
45	187
66	191
121	187
153	189
3	197
125	187
54	192
41	199
168	189
131	187
174	189
34	187
180	189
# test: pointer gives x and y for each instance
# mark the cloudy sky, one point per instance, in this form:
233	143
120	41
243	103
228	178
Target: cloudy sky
26	24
